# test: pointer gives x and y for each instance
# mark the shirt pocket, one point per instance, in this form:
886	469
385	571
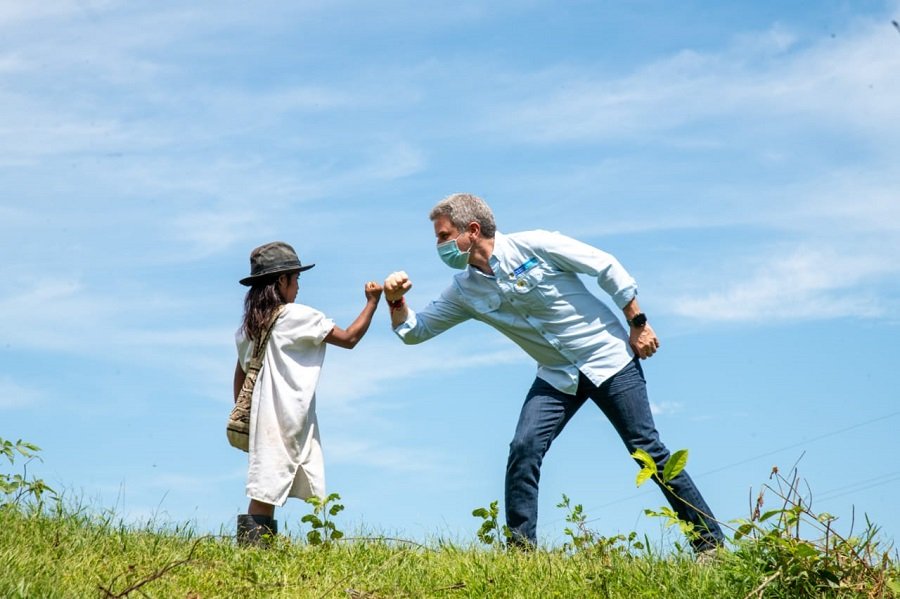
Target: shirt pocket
528	286
486	303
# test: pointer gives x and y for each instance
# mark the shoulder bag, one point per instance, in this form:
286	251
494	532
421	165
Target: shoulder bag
238	428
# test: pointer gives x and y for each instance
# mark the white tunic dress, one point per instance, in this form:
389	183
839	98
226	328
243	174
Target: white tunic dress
285	452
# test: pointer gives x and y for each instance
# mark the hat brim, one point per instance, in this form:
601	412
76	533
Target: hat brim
249	281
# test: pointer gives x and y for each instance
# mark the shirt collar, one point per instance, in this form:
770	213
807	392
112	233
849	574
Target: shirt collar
499	254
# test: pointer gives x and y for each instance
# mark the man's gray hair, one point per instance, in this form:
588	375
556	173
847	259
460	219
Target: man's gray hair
464	208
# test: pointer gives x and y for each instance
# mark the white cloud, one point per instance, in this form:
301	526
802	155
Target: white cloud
863	203
83	320
34	131
384	365
15	396
807	284
208	233
17	13
389	161
13	218
771	42
364	453
188	483
242	107
847	82
665	408
62	307
200	338
12	63
69	315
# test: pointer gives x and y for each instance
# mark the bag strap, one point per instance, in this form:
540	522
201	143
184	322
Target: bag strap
260	348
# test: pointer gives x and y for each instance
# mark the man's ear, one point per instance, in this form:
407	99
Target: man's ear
474	228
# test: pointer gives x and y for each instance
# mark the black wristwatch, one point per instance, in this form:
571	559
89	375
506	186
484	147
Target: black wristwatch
638	321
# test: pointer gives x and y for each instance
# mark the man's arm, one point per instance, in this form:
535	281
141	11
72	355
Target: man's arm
395	287
642	338
576	256
415	327
572	255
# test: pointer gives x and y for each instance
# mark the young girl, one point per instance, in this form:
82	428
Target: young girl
285	453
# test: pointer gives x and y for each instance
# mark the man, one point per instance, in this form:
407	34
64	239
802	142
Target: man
526	286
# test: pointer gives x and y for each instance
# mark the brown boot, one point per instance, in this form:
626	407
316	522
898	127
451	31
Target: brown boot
256	531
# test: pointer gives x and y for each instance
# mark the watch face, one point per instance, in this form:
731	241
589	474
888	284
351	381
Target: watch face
639	320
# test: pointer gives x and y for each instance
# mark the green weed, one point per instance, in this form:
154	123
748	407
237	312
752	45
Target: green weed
491	532
321	520
18	487
800	552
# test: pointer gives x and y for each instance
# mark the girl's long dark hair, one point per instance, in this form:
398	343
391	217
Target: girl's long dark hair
259	303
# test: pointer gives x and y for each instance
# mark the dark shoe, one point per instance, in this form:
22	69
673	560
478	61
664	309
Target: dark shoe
709	557
517	542
256	531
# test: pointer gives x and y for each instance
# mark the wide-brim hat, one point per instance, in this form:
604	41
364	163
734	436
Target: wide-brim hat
270	259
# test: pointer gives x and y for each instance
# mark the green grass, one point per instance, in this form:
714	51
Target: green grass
50	548
72	552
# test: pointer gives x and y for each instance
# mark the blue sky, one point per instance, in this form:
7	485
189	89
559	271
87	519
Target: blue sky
740	159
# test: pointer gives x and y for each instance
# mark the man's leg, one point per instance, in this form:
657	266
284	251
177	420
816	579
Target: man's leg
544	414
623	398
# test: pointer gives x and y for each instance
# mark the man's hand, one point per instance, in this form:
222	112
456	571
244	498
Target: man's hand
396	285
643	341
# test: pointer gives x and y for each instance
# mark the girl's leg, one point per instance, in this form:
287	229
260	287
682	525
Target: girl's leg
258	526
258	508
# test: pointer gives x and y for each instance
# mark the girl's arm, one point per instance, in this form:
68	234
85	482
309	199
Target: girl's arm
239	376
354	333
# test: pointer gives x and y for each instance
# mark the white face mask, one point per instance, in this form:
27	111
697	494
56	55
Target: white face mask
451	255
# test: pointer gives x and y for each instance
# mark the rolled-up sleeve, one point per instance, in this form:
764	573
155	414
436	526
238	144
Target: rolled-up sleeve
576	256
438	316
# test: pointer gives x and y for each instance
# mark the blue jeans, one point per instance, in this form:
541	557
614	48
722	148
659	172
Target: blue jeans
623	399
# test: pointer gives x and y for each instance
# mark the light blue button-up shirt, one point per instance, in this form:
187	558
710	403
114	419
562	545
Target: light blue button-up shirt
537	300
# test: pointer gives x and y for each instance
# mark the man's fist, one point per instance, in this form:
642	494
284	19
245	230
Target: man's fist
396	285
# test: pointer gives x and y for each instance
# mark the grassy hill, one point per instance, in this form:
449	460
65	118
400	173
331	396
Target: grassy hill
49	548
79	554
